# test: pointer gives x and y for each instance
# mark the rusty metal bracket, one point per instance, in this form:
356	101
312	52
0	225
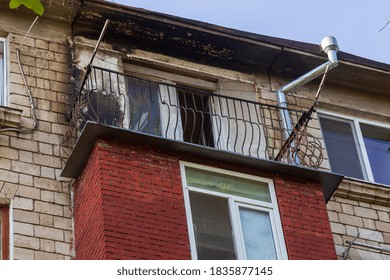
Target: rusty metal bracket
346	253
353	242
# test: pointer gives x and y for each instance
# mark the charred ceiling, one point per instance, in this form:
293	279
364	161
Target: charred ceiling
131	31
204	43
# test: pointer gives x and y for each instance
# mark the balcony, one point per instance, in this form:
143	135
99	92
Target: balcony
198	117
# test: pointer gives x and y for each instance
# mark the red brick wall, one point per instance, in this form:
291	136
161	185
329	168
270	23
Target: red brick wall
129	205
88	212
305	221
138	196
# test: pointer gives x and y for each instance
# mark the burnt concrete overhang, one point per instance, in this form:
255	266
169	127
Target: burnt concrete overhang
132	28
93	131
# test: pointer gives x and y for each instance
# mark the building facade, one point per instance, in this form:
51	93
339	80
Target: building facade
167	139
36	218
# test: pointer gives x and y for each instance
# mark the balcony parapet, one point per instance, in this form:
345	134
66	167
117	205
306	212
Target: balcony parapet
190	115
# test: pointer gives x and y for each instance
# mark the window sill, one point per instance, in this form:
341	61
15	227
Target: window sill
9	117
364	191
365	182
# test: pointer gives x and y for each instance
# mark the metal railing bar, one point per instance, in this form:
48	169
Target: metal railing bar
191	115
200	91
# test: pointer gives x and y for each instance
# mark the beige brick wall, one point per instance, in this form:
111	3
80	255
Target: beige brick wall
30	162
360	209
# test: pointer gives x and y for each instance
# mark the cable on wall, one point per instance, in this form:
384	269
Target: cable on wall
32	107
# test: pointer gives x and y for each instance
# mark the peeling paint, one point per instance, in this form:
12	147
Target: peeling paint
92	15
223	53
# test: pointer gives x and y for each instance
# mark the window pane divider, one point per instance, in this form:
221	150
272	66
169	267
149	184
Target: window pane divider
238	199
236	225
363	151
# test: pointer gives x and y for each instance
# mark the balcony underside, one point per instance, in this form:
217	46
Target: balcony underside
93	131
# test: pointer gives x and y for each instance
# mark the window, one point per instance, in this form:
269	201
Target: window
195	109
357	148
231	215
170	110
4	232
3	97
144	106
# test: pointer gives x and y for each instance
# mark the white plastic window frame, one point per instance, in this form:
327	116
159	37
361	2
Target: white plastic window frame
3	73
234	203
358	137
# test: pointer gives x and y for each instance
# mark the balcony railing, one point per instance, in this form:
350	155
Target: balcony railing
191	115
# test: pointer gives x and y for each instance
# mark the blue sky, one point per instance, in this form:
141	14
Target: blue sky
355	24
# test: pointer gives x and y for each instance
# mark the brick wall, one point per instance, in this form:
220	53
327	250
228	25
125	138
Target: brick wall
139	193
362	209
31	162
89	214
305	220
136	196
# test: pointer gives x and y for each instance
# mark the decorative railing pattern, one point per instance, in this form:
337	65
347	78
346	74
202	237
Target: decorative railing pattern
192	115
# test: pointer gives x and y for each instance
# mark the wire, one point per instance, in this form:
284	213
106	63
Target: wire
387	23
32	107
322	83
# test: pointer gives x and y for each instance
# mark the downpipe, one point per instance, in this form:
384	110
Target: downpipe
330	47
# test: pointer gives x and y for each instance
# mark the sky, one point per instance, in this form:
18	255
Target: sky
355	24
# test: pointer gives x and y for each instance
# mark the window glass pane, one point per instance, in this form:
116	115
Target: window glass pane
212	227
258	237
377	143
340	145
144	111
228	184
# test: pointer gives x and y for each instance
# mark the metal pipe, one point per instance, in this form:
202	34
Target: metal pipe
88	68
330	47
369	246
99	40
381	249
